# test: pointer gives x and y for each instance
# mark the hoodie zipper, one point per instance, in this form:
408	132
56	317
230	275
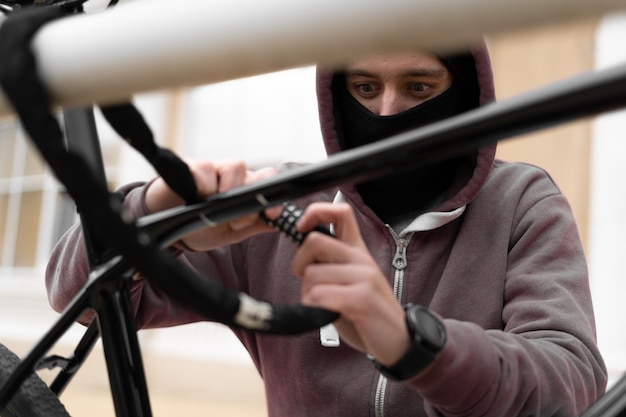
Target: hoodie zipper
399	263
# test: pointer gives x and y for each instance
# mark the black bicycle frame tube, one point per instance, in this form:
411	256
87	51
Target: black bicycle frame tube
114	315
123	357
29	363
108	293
82	138
81	352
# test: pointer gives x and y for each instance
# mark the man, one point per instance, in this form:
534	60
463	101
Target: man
483	255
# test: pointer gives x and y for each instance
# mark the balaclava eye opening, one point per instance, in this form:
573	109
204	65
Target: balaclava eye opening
415	188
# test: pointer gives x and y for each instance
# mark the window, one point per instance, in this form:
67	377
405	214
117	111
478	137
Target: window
26	187
35	210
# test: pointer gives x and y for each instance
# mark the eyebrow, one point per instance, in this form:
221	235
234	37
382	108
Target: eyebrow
421	72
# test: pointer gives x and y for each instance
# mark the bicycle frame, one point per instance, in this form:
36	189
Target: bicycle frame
108	295
107	291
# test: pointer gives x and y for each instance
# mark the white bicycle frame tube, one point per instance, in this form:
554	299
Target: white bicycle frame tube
147	45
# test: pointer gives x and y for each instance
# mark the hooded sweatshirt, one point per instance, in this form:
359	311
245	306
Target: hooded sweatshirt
499	259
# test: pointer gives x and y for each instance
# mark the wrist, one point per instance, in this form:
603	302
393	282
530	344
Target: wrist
159	196
427	336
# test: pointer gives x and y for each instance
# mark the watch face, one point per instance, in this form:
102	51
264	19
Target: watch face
427	328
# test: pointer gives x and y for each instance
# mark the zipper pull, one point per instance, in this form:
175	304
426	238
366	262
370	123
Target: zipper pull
399	259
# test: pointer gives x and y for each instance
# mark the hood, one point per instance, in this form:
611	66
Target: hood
469	181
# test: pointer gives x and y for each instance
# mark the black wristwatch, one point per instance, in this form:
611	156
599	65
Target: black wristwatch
428	337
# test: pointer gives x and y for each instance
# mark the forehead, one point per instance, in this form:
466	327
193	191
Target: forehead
397	64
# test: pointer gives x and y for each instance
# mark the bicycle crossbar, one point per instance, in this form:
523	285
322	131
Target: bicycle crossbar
143	46
581	96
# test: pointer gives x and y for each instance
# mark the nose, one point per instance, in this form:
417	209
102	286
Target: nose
391	103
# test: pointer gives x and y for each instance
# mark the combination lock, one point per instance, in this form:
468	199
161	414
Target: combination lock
286	223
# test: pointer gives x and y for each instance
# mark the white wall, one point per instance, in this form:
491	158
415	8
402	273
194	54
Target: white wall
263	119
607	248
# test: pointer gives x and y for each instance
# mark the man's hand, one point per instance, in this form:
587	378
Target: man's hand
339	274
212	178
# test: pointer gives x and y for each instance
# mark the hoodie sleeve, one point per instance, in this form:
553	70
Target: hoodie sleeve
544	361
67	273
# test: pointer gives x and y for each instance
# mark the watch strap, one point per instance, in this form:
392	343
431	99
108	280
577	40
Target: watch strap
423	348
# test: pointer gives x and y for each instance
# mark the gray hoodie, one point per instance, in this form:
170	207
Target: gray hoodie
500	260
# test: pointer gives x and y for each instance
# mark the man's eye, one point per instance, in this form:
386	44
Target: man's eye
365	88
418	88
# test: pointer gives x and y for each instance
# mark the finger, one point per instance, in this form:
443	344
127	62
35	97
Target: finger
340	215
312	251
231	174
251	224
353	301
159	196
372	321
319	248
261	174
367	277
205	174
258	227
253	219
273	212
335	274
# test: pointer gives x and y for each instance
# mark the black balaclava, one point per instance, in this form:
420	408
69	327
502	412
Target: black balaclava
414	189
